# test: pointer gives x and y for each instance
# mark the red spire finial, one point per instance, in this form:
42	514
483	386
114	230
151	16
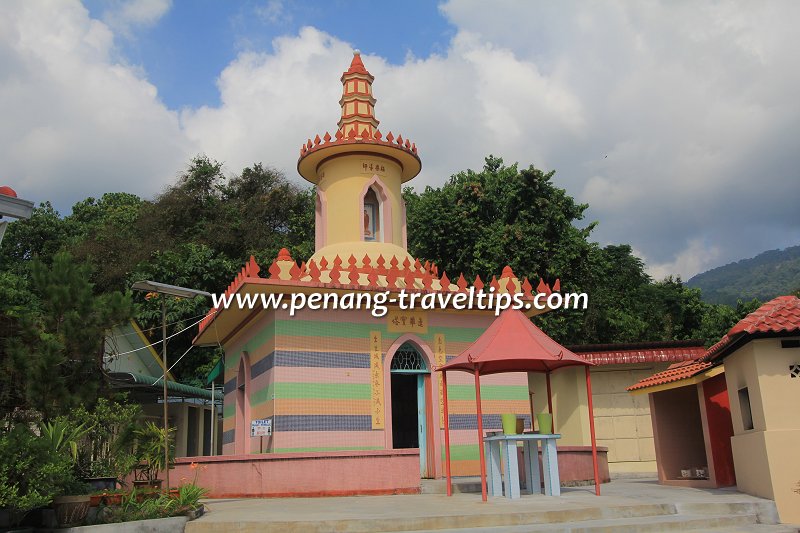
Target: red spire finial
356	65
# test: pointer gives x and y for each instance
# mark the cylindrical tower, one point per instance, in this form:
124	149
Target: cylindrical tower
359	174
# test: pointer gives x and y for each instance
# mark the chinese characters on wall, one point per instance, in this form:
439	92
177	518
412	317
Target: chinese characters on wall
376	378
441	359
407	321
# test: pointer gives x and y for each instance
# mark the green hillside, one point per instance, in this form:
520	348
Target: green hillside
765	276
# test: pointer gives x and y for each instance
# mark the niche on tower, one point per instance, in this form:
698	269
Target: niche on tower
376	212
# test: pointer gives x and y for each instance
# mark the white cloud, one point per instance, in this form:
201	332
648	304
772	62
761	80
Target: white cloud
676	122
123	16
75	123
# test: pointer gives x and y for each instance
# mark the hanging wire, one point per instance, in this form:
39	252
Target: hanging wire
112	357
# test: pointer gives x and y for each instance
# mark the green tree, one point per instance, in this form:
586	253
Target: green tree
55	350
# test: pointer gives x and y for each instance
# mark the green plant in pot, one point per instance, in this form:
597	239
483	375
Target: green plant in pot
62	436
150	452
107	450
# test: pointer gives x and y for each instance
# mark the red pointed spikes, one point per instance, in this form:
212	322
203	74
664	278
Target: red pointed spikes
339	135
493	284
507	272
478	284
313	271
408	145
352	134
526	288
390	137
512	285
462	283
323	264
427	266
309	144
542	287
353	276
393	262
366	133
317	140
302	150
391	278
327	137
284	255
414	147
406	263
381	261
337	261
409	279
427	281
352	261
274	270
445	281
417	265
294	272
378	134
372	278
366	262
335	274
400	140
557	286
254	268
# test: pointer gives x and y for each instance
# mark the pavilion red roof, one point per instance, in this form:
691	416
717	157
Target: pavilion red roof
512	343
779	315
676	372
643	352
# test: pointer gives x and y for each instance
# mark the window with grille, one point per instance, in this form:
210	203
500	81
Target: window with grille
408	359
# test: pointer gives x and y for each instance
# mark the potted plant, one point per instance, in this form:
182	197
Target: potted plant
150	452
72	506
107	450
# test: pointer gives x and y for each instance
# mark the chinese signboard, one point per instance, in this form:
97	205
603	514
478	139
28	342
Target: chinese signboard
400	321
376	378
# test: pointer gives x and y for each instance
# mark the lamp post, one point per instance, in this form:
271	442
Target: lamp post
180	292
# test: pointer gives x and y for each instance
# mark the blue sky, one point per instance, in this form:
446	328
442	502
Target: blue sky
675	121
192	43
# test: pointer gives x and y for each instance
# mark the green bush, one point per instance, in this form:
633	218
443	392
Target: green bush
30	475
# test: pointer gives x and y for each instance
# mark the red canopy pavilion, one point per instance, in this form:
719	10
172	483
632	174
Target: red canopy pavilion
512	344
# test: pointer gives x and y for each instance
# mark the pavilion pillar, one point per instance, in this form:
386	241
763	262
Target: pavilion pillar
481	454
550	401
446	436
591	430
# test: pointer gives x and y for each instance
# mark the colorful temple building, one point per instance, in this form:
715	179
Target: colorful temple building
346	382
337	380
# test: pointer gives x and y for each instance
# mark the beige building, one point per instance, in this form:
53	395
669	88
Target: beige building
757	368
622	421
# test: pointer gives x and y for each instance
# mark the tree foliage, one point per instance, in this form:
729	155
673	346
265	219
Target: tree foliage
63	280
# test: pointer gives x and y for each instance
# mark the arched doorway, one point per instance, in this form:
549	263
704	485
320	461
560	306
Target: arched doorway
242	434
410	386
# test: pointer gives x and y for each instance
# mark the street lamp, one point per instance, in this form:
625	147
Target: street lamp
180	292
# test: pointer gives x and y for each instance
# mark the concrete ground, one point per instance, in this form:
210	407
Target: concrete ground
625	505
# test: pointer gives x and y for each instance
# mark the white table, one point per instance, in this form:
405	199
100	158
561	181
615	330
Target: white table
508	444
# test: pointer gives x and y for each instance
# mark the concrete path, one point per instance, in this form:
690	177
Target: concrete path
626	505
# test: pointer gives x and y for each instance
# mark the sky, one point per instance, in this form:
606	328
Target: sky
677	122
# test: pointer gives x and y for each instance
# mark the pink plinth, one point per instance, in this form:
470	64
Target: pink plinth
302	474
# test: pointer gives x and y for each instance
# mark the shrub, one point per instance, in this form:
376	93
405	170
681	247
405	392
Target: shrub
30	476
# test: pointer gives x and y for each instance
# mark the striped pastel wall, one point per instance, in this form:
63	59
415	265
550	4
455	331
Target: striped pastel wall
317	384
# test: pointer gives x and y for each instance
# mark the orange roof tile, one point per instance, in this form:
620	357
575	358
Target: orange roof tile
676	372
644	352
779	315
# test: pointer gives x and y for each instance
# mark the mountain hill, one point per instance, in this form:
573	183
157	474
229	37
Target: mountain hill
765	276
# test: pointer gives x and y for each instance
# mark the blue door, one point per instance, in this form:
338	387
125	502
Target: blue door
422	435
